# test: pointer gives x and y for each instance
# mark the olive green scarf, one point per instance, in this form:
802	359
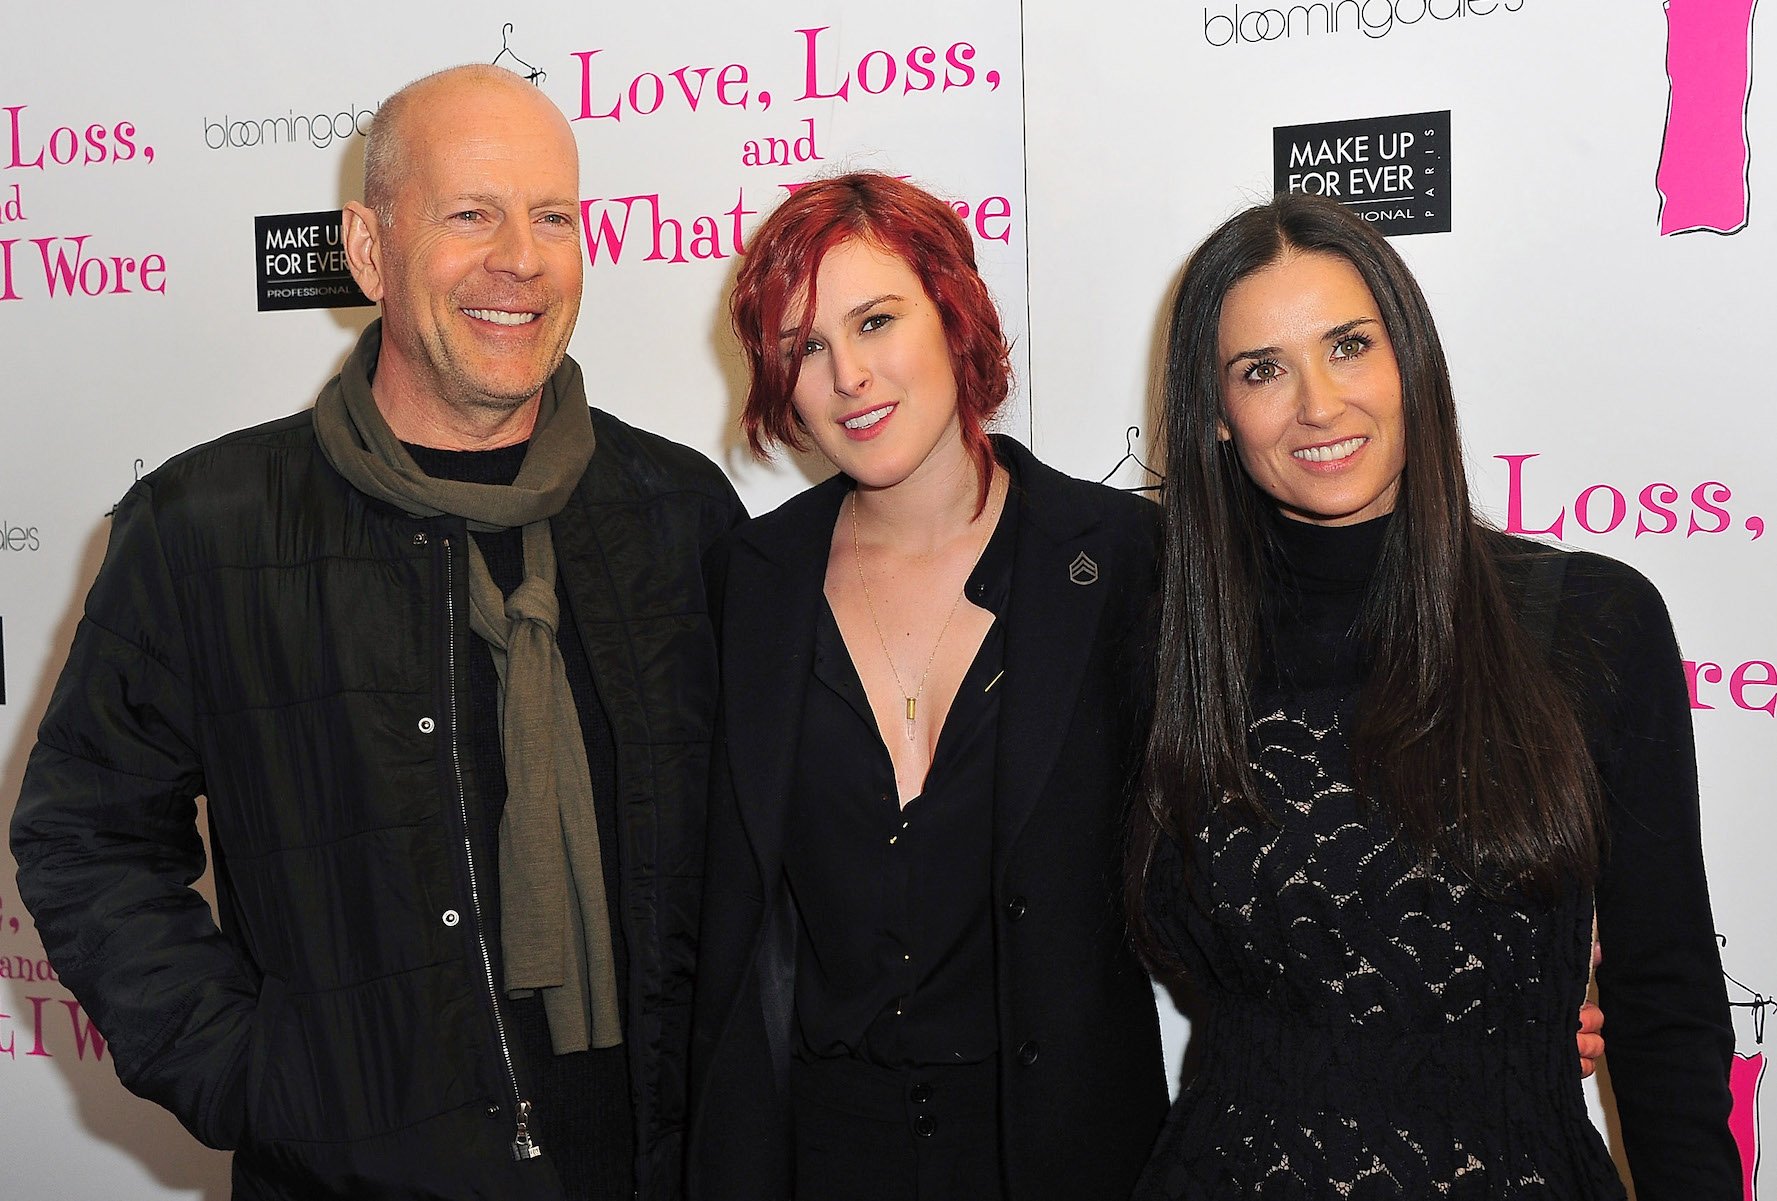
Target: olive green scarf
555	930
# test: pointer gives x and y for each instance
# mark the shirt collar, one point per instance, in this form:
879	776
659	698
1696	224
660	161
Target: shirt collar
990	583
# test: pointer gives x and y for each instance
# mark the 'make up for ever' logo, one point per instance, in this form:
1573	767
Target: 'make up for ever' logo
1394	171
300	263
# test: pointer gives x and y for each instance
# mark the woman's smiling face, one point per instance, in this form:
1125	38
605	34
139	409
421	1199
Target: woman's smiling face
1311	392
877	391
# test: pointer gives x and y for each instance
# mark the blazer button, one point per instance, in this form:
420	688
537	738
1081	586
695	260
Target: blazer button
925	1125
1027	1052
1016	908
920	1094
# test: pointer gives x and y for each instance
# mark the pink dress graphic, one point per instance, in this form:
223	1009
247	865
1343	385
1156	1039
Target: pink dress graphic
1702	174
1743	1082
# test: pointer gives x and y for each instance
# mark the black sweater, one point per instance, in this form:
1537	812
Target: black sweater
1386	1014
1668	1033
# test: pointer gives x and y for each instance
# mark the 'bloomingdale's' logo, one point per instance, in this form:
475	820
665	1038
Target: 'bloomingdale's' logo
1372	18
18	537
294	128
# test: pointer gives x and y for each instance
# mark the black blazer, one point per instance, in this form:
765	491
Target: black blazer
1082	1082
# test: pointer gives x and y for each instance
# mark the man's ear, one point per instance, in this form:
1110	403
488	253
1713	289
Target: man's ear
363	233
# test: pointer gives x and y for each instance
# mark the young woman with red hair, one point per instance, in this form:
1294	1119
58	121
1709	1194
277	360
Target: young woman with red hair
913	979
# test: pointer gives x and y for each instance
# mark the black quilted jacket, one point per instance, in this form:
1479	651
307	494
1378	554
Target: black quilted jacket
265	636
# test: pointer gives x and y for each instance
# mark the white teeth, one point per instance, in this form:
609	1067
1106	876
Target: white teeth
865	420
501	317
1327	454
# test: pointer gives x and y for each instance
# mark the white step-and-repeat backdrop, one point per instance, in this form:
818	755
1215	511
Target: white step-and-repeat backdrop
1583	186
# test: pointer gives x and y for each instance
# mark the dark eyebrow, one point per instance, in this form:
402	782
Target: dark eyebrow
1256	353
855	311
1339	331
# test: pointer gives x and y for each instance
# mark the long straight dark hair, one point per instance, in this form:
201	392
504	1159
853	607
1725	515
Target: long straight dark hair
1468	743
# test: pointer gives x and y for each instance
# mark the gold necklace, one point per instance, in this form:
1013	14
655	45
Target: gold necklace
857	558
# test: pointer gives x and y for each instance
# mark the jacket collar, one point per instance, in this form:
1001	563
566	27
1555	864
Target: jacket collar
776	576
795	536
797	533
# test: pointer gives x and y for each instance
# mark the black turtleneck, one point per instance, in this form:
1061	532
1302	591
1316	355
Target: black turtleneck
1316	580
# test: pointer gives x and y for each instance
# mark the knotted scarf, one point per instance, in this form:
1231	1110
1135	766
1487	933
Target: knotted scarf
555	929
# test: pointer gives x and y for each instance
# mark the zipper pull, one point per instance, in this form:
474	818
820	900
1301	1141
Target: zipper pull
523	1145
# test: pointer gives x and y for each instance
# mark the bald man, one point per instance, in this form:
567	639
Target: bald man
436	653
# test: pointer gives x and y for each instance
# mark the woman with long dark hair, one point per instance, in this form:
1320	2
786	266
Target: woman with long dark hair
1398	761
913	978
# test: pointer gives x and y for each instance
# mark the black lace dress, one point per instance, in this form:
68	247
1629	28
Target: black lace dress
1379	1028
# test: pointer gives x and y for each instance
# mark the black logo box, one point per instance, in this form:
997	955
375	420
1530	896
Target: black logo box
1395	171
300	262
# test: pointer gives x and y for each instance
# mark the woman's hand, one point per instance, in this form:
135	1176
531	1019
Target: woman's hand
1591	1024
1590	1040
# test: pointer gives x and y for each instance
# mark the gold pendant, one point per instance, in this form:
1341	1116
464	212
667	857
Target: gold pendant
912	705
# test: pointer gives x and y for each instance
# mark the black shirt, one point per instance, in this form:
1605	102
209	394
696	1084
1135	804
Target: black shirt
582	1116
896	960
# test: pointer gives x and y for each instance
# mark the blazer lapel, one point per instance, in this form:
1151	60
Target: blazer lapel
1051	629
776	573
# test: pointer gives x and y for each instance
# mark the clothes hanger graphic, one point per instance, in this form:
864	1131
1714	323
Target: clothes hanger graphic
535	74
1129	456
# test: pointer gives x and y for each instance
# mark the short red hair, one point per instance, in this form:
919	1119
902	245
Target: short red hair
894	217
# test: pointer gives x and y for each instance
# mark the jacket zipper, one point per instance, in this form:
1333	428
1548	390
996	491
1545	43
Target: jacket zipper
523	1145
